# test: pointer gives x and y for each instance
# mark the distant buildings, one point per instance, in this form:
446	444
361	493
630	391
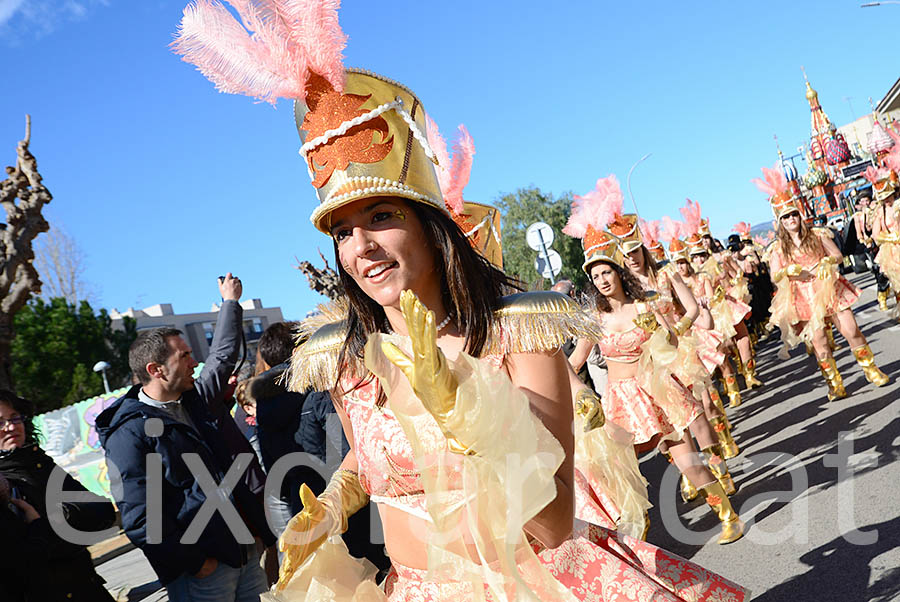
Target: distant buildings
198	328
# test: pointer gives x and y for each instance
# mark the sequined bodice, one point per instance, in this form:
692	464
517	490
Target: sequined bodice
387	468
623	346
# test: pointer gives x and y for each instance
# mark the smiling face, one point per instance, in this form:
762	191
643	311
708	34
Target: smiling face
698	259
605	279
634	260
683	267
382	246
12	435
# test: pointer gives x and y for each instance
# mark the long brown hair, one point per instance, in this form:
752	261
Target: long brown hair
471	288
809	242
631	286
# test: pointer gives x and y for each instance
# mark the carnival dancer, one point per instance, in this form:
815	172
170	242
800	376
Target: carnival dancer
441	382
609	488
859	239
729	307
642	395
804	263
886	226
756	272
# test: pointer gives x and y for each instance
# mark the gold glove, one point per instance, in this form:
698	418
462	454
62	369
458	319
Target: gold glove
718	295
885	236
587	405
793	270
646	321
682	325
825	267
427	371
304	534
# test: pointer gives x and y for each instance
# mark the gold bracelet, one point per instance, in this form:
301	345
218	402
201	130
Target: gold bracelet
682	325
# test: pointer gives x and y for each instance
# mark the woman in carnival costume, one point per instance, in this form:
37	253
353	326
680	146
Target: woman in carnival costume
803	263
676	302
609	488
728	304
756	272
454	398
885	223
643	395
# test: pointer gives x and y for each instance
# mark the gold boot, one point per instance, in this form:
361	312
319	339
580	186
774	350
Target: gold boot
717	400
750	375
882	300
716	462
726	441
833	378
731	389
809	349
829	334
732	526
738	362
688	491
866	361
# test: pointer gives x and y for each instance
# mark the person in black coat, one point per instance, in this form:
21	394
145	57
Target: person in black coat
183	426
50	567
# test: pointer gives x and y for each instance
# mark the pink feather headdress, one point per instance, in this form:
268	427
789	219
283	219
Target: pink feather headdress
743	228
875	174
596	209
268	54
670	229
692	215
650	230
453	175
773	183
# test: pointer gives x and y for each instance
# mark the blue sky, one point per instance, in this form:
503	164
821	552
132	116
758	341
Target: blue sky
165	183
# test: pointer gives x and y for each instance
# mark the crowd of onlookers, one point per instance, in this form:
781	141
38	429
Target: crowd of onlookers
189	462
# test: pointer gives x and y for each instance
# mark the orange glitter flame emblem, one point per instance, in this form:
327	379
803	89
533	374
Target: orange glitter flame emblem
368	142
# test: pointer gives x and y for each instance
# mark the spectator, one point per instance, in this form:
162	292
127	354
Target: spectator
51	568
179	420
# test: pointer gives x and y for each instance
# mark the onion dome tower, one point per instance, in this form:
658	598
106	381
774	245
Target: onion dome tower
828	152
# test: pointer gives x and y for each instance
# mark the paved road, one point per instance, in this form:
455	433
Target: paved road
801	508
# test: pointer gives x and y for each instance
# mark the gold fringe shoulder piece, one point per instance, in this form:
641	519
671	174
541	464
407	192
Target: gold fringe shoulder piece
538	321
314	362
823	232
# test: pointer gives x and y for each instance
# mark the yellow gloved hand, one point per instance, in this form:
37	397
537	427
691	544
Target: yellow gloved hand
826	265
793	270
587	405
428	372
304	534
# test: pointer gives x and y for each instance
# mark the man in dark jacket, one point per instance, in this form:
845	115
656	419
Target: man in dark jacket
176	474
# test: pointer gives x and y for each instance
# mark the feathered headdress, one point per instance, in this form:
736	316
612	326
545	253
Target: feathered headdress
650	233
692	215
775	185
480	223
362	135
271	52
883	180
743	228
671	229
591	214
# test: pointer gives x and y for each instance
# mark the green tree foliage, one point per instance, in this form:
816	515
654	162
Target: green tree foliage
56	346
520	210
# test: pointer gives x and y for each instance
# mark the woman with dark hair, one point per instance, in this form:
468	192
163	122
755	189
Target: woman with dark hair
643	395
803	263
67	572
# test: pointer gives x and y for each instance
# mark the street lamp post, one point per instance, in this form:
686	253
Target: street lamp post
102	367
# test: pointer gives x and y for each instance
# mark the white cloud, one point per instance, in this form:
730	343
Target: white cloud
8	8
36	18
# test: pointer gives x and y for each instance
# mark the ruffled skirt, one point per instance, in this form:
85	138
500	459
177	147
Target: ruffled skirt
709	344
629	406
804	297
598	565
888	259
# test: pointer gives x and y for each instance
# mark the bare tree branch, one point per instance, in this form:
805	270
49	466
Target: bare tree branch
61	264
324	281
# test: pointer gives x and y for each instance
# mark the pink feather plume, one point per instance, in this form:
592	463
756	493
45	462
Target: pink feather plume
875	174
742	228
453	174
270	52
650	230
892	160
772	182
760	240
597	208
691	213
670	229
